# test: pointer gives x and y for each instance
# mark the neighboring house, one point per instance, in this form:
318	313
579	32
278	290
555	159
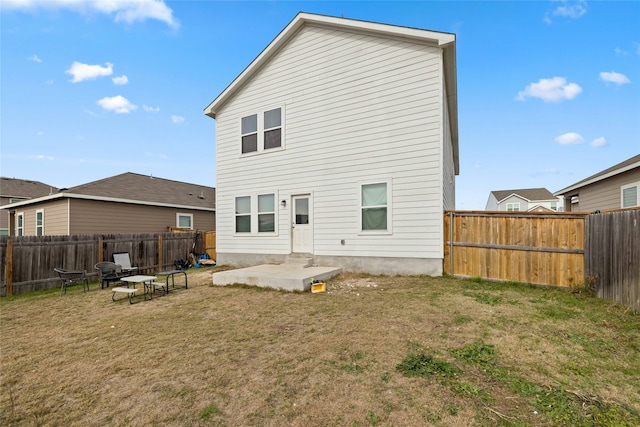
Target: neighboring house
340	141
126	203
14	190
523	200
613	188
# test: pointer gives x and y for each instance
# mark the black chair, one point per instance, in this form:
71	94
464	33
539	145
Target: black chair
109	272
72	277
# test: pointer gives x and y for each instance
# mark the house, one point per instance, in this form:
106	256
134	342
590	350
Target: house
14	190
523	200
613	188
339	141
125	203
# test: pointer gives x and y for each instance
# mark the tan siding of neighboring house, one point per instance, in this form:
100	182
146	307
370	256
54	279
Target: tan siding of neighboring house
90	216
605	194
56	218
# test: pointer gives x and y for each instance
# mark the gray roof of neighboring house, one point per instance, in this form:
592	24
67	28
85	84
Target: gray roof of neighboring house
632	163
143	189
530	194
24	188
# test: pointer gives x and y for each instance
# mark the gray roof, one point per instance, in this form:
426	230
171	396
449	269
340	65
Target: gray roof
147	188
24	188
628	164
137	189
530	194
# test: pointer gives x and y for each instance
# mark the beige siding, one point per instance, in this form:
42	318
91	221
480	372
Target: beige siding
357	108
55	218
605	194
89	216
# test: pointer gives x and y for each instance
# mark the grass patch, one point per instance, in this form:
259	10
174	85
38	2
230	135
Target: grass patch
373	350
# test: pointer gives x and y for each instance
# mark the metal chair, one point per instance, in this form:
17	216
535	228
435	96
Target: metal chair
109	272
124	261
72	277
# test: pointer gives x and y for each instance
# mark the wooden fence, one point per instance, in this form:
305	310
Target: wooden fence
600	250
537	248
28	261
612	256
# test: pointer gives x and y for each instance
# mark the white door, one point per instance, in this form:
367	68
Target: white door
302	224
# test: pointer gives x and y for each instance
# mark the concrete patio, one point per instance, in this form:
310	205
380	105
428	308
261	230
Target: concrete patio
295	274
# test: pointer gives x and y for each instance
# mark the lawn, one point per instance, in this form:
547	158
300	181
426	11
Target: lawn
371	351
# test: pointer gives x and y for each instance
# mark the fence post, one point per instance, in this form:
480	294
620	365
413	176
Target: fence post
9	268
100	250
160	264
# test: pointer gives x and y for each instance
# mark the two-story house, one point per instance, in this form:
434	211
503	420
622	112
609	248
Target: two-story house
339	141
522	200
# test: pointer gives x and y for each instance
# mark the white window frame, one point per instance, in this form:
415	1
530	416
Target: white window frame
512	205
20	224
261	131
554	206
389	229
40	227
254	214
626	187
179	215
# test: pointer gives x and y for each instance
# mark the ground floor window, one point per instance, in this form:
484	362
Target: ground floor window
40	222
184	220
375	212
630	195
20	224
255	212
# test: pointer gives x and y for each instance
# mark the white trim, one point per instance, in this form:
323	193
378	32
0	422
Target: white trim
101	199
624	187
389	230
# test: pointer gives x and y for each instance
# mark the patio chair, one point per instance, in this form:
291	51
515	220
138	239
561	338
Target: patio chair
72	277
123	260
109	272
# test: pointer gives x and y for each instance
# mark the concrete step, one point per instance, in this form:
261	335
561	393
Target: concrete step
298	261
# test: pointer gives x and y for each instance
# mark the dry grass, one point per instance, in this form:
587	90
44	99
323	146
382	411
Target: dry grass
241	356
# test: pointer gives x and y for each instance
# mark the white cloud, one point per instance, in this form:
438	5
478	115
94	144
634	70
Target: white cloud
35	58
150	109
614	77
40	133
177	119
573	10
117	104
550	90
620	52
41	157
119	81
81	72
599	142
569	138
128	11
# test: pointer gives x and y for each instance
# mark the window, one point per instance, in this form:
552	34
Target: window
554	206
513	207
266	213
243	214
184	220
20	224
256	212
250	134
374	207
40	222
630	195
262	131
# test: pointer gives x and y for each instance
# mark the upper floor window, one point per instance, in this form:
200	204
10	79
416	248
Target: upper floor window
262	131
630	195
40	222
184	220
513	207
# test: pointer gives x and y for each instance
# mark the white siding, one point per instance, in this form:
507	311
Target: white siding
357	108
449	176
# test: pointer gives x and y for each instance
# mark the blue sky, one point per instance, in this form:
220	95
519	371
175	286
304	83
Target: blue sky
548	91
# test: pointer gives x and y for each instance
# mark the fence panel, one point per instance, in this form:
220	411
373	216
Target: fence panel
537	248
612	256
33	258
